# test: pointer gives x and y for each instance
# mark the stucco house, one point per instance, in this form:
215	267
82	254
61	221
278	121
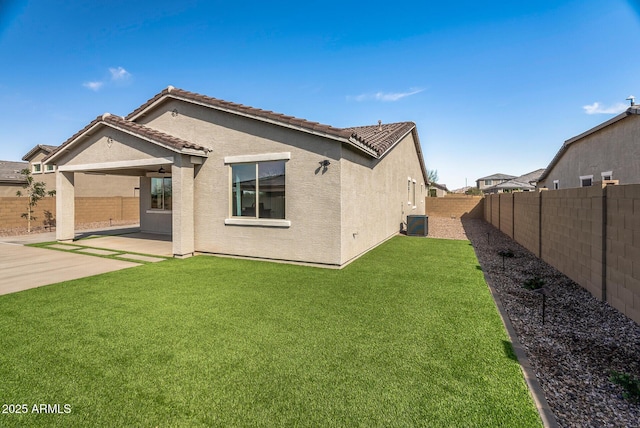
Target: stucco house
224	178
11	180
86	185
524	183
483	183
609	151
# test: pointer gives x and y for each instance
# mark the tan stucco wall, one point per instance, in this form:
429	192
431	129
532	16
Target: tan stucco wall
312	198
374	196
614	148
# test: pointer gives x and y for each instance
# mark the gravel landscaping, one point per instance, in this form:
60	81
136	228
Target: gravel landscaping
581	340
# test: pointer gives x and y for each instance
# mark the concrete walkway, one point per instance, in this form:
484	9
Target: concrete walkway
23	267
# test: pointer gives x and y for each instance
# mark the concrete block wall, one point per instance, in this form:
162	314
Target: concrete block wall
11	209
526	230
591	234
571	235
623	249
455	206
505	200
87	210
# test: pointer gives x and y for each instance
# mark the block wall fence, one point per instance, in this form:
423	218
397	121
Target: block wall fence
455	206
87	210
590	234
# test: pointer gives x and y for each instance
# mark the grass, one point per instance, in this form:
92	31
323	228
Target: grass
118	255
405	336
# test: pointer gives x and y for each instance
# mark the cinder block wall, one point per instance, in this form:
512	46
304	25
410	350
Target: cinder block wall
455	206
506	213
526	211
87	210
623	249
591	234
571	235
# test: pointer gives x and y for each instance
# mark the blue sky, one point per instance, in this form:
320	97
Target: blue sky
492	86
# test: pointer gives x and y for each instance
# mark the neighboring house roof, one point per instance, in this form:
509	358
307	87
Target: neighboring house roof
44	147
10	172
523	182
439	186
633	110
497	177
116	122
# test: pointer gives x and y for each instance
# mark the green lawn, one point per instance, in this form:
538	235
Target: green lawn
407	335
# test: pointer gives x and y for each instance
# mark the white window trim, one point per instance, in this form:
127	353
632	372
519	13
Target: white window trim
265	222
586	177
252	221
605	173
33	168
554	184
265	157
47	166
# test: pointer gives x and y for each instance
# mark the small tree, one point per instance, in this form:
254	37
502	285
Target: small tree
432	175
34	191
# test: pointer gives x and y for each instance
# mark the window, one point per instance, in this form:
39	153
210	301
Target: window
413	193
488	182
556	184
586	180
37	168
261	185
49	168
161	194
607	175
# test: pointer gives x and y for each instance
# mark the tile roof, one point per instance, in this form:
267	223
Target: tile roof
117	122
44	147
381	137
372	137
497	177
10	171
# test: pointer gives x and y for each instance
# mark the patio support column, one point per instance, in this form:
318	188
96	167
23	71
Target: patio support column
65	206
182	207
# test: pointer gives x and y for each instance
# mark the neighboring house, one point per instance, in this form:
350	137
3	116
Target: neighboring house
437	190
492	180
11	180
224	178
609	151
524	183
86	185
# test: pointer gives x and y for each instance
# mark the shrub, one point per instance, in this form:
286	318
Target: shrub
533	283
630	384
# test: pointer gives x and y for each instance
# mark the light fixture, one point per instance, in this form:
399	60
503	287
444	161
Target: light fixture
161	170
109	141
325	163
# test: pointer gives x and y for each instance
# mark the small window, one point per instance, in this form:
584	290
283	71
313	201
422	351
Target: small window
413	193
37	168
607	175
161	194
556	184
488	182
258	185
49	168
586	180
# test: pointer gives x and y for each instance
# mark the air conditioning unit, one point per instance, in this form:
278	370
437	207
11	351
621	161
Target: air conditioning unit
417	225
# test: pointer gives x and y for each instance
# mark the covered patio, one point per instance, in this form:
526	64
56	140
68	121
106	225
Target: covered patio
166	165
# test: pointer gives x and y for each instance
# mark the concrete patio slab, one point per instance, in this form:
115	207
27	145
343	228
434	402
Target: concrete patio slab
141	258
23	267
144	243
98	252
63	247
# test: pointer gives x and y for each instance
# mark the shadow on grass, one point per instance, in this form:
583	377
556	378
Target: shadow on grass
508	350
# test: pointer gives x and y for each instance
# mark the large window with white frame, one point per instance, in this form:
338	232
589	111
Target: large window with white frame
258	190
36	168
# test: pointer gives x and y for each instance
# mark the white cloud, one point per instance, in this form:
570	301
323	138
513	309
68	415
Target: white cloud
119	73
117	76
94	86
385	96
597	108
